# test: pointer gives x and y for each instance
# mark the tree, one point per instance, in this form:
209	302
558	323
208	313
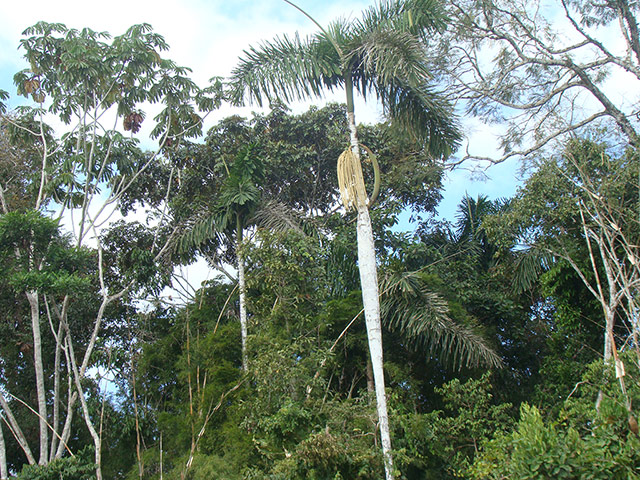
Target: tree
239	197
382	54
547	71
83	79
581	208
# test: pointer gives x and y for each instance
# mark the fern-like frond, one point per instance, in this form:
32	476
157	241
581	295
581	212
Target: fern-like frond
278	217
423	113
530	264
422	316
286	69
418	17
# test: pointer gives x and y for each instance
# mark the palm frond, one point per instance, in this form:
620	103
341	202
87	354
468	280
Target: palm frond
422	316
198	229
423	113
286	69
418	17
388	55
530	264
278	217
470	213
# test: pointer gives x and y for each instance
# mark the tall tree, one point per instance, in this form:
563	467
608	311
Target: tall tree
580	209
84	77
381	53
239	197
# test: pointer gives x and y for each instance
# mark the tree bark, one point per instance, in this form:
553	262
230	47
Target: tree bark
370	383
56	392
371	303
4	473
16	430
40	387
242	292
370	296
97	440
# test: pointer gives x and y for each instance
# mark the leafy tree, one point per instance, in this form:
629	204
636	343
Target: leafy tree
381	53
581	209
82	77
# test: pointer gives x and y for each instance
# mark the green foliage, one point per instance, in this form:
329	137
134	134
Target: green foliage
382	53
78	467
538	450
36	256
422	316
128	252
442	443
579	442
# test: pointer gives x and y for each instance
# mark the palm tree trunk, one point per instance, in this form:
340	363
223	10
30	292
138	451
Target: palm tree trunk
370	296
32	296
242	292
371	303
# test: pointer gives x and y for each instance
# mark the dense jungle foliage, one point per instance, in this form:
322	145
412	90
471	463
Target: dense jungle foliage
510	332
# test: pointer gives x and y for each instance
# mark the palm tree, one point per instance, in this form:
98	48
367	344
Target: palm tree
239	197
224	225
383	53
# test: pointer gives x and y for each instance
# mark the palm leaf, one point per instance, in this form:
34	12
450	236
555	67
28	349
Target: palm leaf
422	316
286	69
418	17
421	112
200	228
530	264
278	217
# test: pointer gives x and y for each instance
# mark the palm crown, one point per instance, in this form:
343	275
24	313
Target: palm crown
381	53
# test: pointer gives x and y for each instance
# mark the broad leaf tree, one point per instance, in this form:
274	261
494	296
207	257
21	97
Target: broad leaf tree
95	85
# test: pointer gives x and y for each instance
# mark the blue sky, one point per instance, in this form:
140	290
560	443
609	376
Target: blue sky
208	36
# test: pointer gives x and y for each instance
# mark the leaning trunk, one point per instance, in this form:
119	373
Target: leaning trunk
370	296
4	473
242	290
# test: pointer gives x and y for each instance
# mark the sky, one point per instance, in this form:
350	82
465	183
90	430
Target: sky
209	36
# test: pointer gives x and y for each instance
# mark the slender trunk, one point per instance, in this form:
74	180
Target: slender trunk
370	296
71	400
40	388
56	393
97	441
16	430
4	473
370	383
371	303
242	291
608	335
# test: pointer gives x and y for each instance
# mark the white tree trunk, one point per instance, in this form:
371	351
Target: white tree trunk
56	392
40	387
243	310
371	303
97	440
4	473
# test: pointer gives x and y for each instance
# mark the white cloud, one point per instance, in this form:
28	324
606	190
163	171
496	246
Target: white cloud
207	36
